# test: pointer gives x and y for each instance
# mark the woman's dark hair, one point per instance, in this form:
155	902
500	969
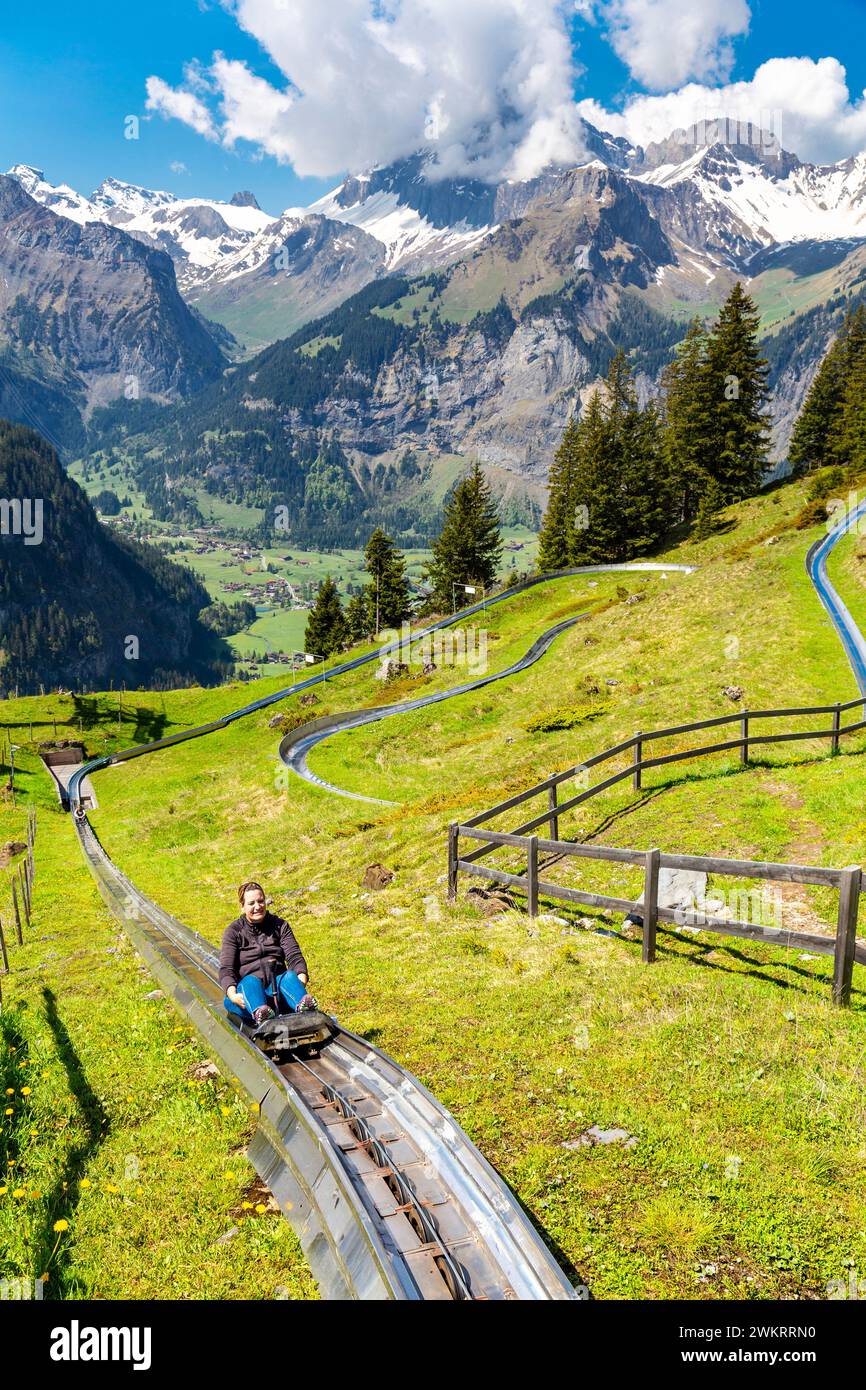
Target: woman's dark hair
246	888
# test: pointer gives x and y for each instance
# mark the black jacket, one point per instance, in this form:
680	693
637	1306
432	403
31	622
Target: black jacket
265	949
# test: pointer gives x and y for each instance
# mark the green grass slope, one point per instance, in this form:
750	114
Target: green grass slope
740	1083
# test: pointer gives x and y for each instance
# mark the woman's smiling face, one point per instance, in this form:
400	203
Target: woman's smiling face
254	905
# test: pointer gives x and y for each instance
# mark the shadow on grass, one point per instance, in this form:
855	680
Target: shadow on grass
12	1078
66	1191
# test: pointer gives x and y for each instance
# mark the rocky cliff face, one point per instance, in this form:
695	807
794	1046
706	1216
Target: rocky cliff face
89	312
72	600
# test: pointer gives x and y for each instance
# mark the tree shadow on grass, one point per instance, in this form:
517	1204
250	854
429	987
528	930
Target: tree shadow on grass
66	1191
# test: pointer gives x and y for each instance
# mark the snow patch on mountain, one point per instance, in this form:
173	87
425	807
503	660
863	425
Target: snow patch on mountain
405	233
810	203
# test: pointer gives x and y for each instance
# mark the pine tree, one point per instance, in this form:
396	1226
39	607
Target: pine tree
387	595
326	626
358	621
734	397
557	537
596	489
853	415
469	547
712	501
819	437
684	428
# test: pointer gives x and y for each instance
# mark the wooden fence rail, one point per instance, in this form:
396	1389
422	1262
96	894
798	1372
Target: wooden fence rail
844	946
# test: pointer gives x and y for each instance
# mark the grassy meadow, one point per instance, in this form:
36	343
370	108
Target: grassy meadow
739	1082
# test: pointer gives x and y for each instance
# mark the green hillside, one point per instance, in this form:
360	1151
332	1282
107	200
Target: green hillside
741	1084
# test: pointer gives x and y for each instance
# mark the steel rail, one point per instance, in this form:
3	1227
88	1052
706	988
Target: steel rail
95	764
296	746
389	1197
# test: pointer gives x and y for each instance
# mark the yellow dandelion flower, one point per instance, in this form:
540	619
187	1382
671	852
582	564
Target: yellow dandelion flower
19	1193
247	1206
25	1090
261	1208
85	1182
3	1191
10	1090
109	1187
230	1176
61	1226
35	1194
255	1107
34	1133
9	1110
225	1110
129	1098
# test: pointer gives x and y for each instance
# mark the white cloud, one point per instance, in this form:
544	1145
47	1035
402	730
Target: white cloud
665	42
177	166
805	103
182	105
489	81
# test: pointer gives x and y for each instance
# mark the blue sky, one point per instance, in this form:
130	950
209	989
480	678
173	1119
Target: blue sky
71	73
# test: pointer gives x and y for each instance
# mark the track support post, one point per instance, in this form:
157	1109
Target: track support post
837	722
650	905
636	762
846	934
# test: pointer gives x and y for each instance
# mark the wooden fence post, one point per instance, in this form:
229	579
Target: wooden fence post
837	720
25	904
532	877
18	935
846	935
4	955
744	750
636	762
551	806
452	861
650	905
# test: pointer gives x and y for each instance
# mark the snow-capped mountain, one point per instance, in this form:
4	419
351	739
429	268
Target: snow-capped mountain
789	202
198	233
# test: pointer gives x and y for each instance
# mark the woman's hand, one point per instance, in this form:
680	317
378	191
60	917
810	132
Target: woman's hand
236	997
304	981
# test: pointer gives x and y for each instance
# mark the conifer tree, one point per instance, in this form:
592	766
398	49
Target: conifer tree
358	622
852	446
820	434
326	630
734	399
557	537
596	489
469	547
387	595
685	441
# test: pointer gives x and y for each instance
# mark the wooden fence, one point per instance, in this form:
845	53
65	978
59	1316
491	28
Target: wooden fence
844	946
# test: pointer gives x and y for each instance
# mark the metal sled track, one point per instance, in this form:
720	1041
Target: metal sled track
388	1196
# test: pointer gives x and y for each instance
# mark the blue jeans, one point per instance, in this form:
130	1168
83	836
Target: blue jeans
286	989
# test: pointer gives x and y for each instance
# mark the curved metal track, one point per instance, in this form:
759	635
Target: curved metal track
375	655
296	745
816	564
389	1197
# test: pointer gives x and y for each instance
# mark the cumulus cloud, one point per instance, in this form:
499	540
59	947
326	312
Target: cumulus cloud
665	42
487	84
181	104
806	104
